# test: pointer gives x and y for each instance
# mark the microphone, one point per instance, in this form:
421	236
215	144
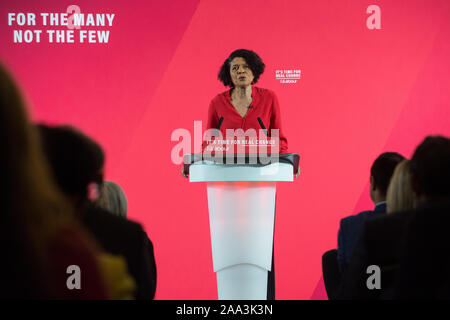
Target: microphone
262	126
220	123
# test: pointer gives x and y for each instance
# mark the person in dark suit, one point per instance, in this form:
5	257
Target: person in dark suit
395	243
424	260
77	163
335	262
125	238
113	200
378	244
380	175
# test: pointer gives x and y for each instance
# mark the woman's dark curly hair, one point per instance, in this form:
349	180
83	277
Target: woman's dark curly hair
253	60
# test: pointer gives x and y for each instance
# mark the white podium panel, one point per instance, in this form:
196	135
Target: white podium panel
242	282
241	217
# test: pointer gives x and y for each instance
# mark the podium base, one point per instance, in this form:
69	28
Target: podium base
242	282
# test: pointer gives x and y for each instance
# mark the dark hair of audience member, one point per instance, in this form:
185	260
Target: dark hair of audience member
383	168
430	168
73	170
33	209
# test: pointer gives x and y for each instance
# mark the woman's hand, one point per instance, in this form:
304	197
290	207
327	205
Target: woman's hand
182	172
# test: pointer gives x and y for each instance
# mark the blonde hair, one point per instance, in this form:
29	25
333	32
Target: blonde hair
113	199
400	196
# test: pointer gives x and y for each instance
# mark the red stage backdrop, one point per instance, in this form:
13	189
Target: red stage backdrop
373	77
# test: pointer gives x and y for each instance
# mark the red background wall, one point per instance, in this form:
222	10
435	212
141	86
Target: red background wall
362	92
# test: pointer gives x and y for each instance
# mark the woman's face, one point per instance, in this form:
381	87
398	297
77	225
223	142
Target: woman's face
241	74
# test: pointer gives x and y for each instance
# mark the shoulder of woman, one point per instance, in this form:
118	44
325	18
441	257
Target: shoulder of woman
219	96
265	92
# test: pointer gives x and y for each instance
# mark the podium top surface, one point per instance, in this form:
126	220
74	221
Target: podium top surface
240	167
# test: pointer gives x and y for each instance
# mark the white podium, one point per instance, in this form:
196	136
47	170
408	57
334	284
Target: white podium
241	203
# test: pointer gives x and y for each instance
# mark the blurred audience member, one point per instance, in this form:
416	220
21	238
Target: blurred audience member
424	258
77	162
430	170
385	239
380	176
400	196
113	199
39	235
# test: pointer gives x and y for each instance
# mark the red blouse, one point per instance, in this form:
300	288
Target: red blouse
264	105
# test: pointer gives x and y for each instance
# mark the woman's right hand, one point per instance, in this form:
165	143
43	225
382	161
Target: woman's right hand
182	172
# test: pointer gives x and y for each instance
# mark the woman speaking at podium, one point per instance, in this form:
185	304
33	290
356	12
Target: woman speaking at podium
245	106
